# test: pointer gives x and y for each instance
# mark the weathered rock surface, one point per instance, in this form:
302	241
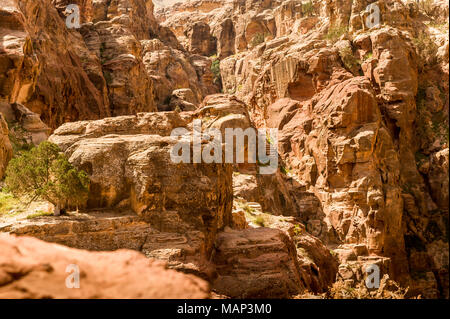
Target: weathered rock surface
361	110
5	146
119	62
256	263
362	115
26	126
42	67
30	268
128	161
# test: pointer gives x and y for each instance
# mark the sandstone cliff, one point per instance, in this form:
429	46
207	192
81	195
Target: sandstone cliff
361	109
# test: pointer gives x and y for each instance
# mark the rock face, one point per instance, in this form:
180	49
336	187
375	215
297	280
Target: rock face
118	62
5	146
31	268
256	263
26	126
362	114
180	213
128	161
48	76
200	39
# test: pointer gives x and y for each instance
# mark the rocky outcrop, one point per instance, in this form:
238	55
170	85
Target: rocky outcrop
27	127
5	146
360	115
119	62
256	263
172	69
129	164
47	76
30	268
186	219
200	39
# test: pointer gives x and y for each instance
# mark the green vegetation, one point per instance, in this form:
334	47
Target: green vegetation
368	56
426	49
284	170
439	126
215	69
420	157
260	221
335	33
45	173
308	8
351	63
297	230
344	290
16	137
408	189
442	27
428	125
102	52
39	214
10	204
247	208
258	39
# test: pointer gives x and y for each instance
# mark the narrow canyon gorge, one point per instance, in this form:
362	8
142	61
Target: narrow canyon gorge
357	91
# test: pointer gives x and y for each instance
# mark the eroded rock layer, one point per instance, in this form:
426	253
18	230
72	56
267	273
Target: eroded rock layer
361	110
32	269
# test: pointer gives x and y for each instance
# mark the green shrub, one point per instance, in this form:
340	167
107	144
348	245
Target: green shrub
335	33
429	126
260	221
45	173
284	170
426	49
258	39
297	230
215	69
308	8
17	138
351	63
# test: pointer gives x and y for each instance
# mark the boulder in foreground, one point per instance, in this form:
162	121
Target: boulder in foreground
32	269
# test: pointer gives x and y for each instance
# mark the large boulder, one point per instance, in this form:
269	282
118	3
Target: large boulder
256	263
26	126
129	164
32	269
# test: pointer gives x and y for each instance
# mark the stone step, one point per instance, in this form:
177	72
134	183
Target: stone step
255	206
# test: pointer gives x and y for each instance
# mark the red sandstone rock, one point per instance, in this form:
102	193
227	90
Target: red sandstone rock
30	268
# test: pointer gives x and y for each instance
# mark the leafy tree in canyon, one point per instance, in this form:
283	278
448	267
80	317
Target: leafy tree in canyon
45	173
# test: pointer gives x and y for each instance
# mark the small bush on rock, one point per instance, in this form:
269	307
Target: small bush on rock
215	69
